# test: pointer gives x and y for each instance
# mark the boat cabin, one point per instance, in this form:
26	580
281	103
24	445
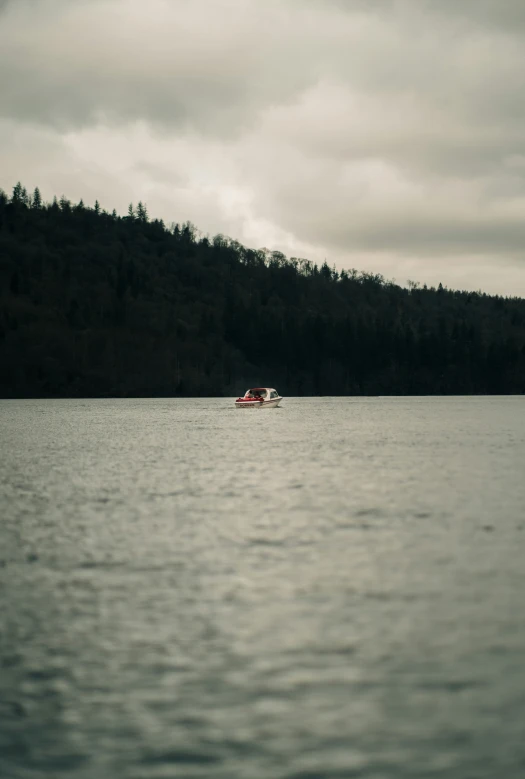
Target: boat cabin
265	393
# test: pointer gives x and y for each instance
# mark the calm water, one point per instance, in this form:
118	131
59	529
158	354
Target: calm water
332	589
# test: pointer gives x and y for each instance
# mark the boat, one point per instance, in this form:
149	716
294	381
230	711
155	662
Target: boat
259	397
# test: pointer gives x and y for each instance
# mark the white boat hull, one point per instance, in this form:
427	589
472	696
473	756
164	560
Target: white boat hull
258	403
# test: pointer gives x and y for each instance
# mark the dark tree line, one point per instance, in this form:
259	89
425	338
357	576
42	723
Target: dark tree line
94	304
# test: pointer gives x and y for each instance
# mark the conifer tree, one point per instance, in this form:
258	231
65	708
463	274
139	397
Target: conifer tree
17	193
142	212
37	200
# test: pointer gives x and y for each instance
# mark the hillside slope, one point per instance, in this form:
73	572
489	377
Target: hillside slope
93	304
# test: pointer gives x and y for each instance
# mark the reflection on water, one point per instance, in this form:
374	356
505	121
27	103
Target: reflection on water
331	589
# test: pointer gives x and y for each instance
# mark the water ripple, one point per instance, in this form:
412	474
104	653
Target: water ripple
331	591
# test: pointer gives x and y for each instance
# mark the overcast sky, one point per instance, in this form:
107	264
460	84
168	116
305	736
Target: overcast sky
385	135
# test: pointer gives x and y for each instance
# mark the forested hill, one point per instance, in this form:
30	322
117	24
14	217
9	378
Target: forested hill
95	304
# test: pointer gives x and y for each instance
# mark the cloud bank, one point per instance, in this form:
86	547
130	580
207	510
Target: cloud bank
386	135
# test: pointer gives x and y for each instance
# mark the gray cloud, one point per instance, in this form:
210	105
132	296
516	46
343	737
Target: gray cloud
381	131
179	64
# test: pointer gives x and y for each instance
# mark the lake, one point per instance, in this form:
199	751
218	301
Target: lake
334	588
